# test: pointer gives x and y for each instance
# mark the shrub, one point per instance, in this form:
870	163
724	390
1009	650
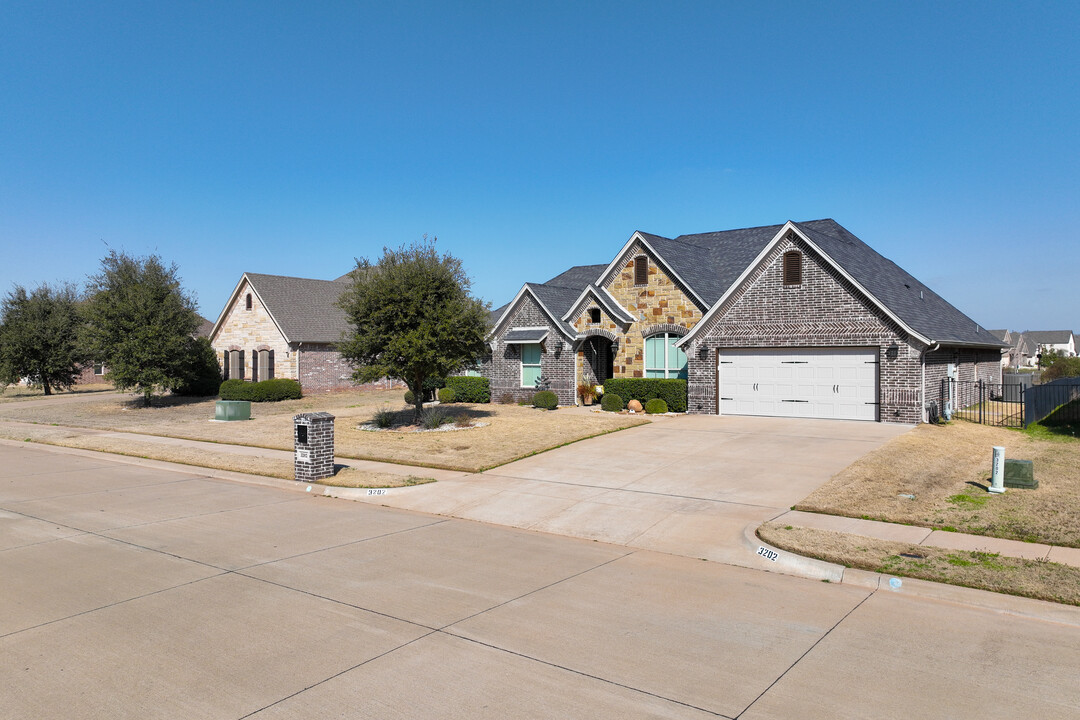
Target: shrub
656	406
202	375
264	391
447	395
431	386
587	391
470	389
1060	367
384	418
612	402
410	398
507	398
434	417
545	399
464	420
670	390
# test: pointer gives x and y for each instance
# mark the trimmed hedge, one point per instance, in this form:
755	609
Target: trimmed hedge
447	395
670	390
656	406
263	391
545	399
469	389
612	403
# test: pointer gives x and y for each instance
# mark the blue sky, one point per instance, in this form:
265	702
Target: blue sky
289	138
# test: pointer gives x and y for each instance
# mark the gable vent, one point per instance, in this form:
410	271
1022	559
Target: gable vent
793	268
641	270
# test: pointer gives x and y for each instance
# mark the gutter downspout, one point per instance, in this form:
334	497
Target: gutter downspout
922	385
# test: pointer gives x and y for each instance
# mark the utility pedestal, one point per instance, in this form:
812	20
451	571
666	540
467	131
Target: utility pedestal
313	441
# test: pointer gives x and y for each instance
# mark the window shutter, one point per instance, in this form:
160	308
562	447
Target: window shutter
792	268
256	371
269	364
641	270
240	362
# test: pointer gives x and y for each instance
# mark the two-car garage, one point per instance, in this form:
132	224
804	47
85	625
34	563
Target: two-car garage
832	383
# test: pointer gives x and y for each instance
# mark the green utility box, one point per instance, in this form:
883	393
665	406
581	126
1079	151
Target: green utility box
232	410
1020	474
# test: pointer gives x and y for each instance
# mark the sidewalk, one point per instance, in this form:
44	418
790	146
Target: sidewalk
933	538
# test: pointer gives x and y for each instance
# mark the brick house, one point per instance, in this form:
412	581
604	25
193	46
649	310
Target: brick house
799	319
274	326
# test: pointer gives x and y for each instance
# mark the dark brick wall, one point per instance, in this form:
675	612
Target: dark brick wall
556	363
322	369
317	449
823	311
971	365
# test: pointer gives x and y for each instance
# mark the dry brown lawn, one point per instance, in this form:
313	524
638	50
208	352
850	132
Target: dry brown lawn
15	393
947	469
511	432
201	457
987	571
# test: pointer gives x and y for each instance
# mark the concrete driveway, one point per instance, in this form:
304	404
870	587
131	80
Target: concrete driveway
689	485
130	592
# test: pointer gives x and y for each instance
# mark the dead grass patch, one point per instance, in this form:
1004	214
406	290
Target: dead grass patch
512	432
197	457
947	469
15	393
1039	579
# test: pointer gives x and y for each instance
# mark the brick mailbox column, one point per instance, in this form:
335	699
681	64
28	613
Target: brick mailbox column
313	441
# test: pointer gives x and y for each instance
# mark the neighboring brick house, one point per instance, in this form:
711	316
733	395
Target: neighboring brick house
799	319
275	326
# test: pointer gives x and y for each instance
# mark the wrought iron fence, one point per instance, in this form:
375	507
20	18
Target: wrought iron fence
984	402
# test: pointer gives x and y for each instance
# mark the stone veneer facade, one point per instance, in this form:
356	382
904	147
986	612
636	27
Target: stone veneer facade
252	330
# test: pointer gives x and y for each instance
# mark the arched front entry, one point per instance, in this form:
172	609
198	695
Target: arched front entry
598	359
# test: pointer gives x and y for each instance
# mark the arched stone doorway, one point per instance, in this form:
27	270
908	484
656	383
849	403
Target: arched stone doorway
598	359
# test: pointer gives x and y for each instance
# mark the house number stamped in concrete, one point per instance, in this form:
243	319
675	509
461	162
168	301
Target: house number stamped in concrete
376	491
767	553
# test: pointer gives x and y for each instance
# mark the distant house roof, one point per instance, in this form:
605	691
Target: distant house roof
711	263
1004	336
1049	337
205	327
305	310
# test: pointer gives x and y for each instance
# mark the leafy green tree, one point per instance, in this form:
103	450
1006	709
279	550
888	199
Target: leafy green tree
202	373
140	323
412	318
39	337
1057	365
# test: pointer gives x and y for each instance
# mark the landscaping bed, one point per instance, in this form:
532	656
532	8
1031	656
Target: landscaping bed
936	476
511	432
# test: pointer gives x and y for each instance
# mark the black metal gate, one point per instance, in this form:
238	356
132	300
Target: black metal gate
984	402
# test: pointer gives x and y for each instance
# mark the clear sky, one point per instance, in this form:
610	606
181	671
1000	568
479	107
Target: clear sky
289	138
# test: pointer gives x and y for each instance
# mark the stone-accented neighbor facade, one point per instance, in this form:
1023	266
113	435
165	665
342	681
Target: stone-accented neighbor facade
295	323
728	291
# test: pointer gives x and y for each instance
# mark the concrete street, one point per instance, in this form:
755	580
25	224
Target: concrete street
131	592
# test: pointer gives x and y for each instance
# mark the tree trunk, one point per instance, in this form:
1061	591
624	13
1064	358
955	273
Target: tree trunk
45	387
146	399
418	400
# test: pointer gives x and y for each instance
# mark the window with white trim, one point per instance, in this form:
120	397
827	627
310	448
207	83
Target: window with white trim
530	364
662	358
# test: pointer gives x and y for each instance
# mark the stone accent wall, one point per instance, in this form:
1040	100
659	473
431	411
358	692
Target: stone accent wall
823	311
249	330
557	358
322	369
313	443
661	302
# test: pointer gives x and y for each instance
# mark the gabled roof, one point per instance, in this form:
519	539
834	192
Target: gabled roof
711	265
1049	337
304	310
556	297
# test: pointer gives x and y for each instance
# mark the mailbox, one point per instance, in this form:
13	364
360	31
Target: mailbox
313	446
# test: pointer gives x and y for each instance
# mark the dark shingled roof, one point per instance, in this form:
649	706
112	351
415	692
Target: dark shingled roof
709	263
305	309
205	327
1049	337
918	306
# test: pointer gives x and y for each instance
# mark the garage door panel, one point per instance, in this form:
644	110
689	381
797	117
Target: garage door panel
836	383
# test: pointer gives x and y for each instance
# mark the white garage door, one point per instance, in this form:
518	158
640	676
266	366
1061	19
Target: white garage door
837	383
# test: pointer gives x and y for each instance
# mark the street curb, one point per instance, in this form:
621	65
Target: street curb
788	563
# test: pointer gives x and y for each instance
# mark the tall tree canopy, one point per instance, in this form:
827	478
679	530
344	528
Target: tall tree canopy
39	337
412	318
140	323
